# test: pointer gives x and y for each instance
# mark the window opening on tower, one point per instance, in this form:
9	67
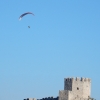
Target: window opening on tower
77	88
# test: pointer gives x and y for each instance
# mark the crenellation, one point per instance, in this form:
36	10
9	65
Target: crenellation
51	97
77	79
86	79
69	79
82	79
89	79
72	79
48	97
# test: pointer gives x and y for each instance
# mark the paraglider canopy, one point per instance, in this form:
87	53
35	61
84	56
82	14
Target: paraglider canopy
25	14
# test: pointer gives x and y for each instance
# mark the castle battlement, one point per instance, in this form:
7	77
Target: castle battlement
74	89
48	98
77	79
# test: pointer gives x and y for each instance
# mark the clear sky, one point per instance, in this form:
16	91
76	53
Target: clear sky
63	41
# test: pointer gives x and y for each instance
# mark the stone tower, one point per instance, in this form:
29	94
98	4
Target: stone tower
76	89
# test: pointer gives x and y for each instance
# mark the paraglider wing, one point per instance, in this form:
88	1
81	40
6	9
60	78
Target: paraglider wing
25	14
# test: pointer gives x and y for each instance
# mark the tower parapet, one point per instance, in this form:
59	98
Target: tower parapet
78	79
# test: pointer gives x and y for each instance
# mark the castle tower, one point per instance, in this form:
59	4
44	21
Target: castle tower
75	89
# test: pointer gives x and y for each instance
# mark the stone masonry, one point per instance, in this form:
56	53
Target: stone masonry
74	89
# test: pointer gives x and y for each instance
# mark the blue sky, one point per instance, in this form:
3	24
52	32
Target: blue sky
63	41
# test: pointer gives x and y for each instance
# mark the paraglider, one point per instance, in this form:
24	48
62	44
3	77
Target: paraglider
28	26
25	14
